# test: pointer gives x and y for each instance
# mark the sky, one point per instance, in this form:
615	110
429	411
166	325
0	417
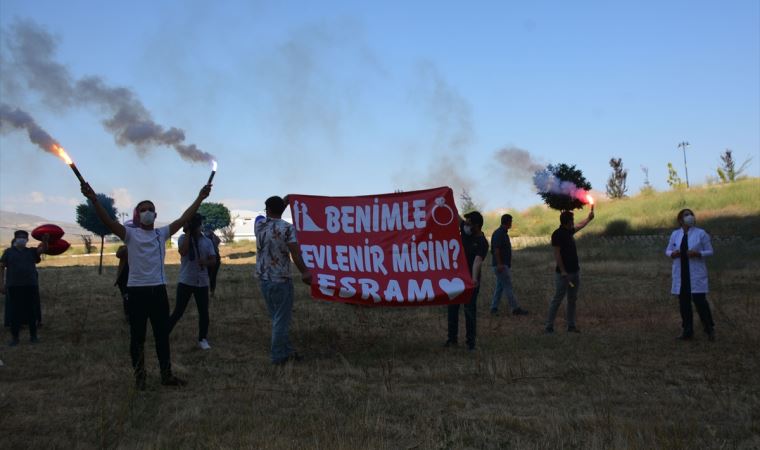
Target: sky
347	98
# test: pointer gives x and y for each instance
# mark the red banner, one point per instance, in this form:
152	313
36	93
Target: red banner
384	250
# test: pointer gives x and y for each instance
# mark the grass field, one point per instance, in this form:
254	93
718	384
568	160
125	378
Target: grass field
380	378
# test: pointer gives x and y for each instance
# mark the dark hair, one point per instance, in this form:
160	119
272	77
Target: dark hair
275	205
195	222
566	217
475	218
681	213
506	218
143	202
20	232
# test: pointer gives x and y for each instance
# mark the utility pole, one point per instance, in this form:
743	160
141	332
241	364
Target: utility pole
682	146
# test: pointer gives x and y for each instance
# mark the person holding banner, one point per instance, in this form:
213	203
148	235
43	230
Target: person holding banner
275	244
146	286
501	252
475	249
567	272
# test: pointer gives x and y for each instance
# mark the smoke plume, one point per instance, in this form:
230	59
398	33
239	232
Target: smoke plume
547	183
31	54
20	120
518	164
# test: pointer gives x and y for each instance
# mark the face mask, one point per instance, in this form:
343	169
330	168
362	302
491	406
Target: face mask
689	220
467	230
20	242
147	218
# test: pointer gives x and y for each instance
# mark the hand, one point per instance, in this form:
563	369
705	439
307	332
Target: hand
46	238
694	254
306	277
88	192
205	191
591	214
675	254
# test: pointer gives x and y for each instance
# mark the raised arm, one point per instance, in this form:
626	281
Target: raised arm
584	222
188	214
42	248
112	224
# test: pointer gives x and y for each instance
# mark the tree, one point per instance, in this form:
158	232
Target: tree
727	172
556	185
468	204
616	184
674	181
215	215
228	232
88	219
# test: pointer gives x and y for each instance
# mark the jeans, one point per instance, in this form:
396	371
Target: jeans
279	300
687	316
562	288
503	285
200	293
149	303
22	307
470	316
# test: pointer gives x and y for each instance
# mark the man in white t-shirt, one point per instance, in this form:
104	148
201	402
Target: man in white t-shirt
146	285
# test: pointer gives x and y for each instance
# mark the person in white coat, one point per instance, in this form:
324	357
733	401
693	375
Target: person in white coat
688	248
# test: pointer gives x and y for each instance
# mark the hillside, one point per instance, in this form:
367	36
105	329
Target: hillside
11	221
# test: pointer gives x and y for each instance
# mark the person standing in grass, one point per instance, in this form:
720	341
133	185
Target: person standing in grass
688	248
275	244
19	281
475	250
567	278
501	260
146	286
198	256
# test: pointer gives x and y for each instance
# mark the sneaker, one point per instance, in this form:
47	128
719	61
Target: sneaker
203	344
171	380
450	343
519	312
13	342
573	330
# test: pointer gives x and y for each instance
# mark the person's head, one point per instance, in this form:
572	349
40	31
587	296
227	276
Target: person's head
194	225
275	206
567	219
686	218
20	238
506	221
145	214
473	222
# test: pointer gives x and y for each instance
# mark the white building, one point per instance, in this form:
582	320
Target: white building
242	220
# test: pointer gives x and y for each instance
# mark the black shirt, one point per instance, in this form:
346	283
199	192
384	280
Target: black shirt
20	266
474	246
563	238
500	240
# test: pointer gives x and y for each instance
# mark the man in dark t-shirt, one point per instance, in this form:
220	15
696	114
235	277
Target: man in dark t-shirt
475	249
18	279
567	271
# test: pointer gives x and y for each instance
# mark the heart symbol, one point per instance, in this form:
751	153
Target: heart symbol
453	288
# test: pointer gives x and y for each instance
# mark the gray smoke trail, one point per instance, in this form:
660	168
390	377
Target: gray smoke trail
20	120
518	163
32	52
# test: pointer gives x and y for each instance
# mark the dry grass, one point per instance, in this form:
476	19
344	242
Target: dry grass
379	378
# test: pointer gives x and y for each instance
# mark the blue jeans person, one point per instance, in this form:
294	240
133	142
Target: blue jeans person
503	286
563	287
470	315
279	300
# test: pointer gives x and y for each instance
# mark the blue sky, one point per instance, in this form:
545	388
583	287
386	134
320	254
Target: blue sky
353	98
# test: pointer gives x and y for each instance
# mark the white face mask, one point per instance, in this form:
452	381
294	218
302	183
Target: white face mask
147	218
689	220
20	242
467	230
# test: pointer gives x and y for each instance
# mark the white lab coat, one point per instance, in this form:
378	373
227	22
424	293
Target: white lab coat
698	240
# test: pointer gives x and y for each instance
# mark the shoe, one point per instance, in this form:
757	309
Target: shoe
685	337
573	330
13	342
495	312
519	312
451	343
171	380
34	339
203	344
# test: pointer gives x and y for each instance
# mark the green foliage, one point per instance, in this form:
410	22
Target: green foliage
727	172
616	184
467	203
88	219
564	174
674	181
215	215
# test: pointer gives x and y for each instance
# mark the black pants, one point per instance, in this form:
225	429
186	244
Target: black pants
212	272
470	315
687	316
200	293
149	303
22	308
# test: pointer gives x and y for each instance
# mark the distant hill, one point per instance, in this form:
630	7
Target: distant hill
11	221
